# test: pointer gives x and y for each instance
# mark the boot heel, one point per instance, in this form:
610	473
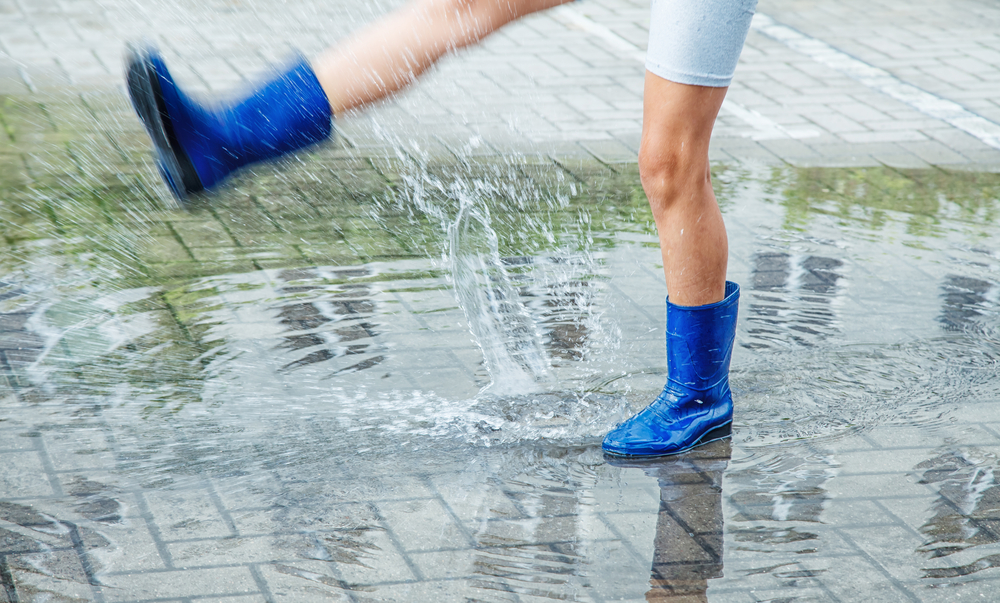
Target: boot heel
719	433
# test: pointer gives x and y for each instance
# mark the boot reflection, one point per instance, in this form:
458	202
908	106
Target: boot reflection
688	543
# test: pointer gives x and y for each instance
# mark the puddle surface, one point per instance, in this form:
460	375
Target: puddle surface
389	380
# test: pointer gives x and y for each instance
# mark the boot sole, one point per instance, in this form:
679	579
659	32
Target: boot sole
718	433
147	100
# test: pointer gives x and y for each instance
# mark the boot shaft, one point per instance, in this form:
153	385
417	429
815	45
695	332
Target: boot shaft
280	114
283	114
700	340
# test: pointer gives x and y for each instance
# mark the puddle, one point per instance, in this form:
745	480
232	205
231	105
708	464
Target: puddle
388	380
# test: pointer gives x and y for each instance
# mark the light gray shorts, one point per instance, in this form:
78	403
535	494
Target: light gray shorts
697	42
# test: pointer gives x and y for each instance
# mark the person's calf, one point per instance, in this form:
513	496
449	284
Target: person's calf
689	224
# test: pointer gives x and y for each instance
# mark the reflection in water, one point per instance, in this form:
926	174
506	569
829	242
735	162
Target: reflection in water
688	542
562	295
777	499
965	300
19	346
564	317
966	512
212	403
926	202
334	322
791	299
540	556
44	551
782	487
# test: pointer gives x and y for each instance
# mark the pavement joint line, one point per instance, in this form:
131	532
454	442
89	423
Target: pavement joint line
139	497
222	510
875	564
261	583
85	563
47	465
626	544
897	520
462	523
764	127
881	80
500	549
334	568
394	540
456	520
193	597
989	430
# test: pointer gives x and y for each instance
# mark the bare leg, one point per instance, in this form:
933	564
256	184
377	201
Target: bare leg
696	404
673	165
198	147
392	52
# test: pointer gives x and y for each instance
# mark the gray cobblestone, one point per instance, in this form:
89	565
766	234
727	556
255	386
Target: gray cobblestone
544	57
303	529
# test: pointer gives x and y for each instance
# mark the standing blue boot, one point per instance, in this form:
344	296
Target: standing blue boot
696	405
197	146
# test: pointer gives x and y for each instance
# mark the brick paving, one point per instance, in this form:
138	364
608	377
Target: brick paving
568	81
120	484
166	432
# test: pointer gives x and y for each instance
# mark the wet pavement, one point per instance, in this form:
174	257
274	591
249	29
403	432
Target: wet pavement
381	371
858	83
253	419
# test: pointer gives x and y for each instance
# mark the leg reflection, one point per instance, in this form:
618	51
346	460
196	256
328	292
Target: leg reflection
688	543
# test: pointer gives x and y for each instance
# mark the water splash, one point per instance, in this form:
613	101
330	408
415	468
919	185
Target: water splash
504	331
472	208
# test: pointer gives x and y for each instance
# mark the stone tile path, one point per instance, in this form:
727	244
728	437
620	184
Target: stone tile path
135	494
862	83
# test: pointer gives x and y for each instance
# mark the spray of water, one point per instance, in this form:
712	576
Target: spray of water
503	328
471	208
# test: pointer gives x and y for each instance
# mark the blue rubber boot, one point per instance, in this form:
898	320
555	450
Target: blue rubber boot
198	146
696	405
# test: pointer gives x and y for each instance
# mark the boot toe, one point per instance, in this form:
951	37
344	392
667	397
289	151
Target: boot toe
649	434
146	76
636	438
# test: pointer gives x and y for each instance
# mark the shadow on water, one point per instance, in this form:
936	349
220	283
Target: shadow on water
688	542
392	376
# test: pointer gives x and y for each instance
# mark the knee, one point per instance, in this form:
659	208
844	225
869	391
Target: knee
671	169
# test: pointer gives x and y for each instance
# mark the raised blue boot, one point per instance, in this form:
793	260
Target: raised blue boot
696	405
198	146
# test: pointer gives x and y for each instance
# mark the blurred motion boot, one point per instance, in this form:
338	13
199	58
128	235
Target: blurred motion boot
198	145
696	405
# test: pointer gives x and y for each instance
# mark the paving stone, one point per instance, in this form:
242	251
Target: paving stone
29	479
216	581
327	526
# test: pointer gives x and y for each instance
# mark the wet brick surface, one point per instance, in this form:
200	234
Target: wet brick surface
890	507
856	84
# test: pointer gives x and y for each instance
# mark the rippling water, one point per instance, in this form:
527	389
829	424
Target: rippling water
402	393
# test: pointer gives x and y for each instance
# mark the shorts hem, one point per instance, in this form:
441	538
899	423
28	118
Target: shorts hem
691	79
